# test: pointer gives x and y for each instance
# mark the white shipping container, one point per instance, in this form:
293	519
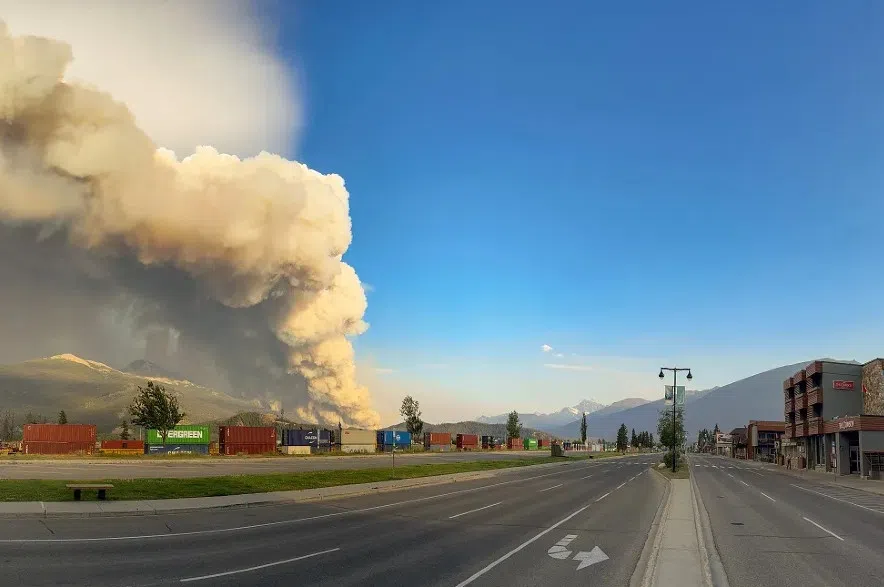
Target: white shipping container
358	436
358	448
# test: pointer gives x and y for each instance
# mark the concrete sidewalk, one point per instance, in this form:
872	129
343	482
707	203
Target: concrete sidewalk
678	558
85	509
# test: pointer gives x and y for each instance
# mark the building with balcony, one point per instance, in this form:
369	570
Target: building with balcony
827	426
763	438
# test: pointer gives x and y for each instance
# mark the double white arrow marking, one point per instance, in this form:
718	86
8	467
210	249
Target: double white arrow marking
560	551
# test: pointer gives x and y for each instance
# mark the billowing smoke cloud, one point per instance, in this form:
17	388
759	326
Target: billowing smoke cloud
242	257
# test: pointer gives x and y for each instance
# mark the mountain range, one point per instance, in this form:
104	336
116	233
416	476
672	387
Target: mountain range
758	397
555	420
94	393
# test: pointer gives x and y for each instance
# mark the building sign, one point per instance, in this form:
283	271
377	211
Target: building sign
837	384
846	424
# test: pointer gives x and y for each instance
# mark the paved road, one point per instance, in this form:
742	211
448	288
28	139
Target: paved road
771	528
485	532
86	469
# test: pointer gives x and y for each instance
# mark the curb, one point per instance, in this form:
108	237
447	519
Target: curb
647	560
93	509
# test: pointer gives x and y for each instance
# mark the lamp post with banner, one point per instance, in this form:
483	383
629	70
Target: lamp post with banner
677	397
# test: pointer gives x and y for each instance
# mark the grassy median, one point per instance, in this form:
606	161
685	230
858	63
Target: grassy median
681	471
168	488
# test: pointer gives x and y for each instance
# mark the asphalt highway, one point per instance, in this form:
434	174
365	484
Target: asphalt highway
583	523
773	528
88	469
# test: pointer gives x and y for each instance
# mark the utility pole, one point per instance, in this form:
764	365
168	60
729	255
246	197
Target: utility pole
675	371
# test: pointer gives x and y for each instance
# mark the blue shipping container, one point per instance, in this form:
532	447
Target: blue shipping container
394	437
306	438
161	449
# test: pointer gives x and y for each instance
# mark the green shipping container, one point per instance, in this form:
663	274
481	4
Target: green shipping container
185	434
530	444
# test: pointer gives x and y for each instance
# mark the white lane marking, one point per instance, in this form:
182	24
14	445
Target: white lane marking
587	477
548	488
621	485
744	483
729	475
475	510
823	529
768	497
604	496
259	567
537	536
274	523
837	498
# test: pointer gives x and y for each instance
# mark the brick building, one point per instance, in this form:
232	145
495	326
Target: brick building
835	417
763	440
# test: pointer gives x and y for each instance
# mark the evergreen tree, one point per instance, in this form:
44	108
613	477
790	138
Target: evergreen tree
622	438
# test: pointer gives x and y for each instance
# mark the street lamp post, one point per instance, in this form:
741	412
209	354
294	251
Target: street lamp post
675	371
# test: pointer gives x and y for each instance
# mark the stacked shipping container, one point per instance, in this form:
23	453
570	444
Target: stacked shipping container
306	441
467	441
358	440
181	439
387	439
514	444
250	440
438	441
54	439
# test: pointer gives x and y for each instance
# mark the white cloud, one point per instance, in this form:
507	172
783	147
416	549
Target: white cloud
546	348
568	367
383	370
200	72
559	355
367	287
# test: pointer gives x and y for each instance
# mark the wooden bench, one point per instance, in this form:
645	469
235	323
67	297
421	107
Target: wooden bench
100	487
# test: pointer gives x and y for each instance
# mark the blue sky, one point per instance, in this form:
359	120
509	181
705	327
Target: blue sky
666	182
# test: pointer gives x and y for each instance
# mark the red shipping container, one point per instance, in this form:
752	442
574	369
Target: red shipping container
117	444
59	432
467	440
247	434
31	447
437	438
515	444
250	448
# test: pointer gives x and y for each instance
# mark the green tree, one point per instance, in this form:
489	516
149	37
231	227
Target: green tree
124	430
622	438
7	426
650	440
633	440
670	434
583	429
411	411
513	426
154	407
62	417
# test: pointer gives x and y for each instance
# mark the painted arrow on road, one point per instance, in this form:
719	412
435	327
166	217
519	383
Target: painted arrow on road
560	551
590	558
